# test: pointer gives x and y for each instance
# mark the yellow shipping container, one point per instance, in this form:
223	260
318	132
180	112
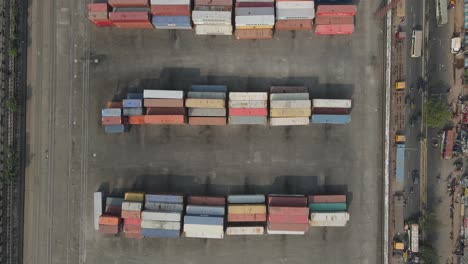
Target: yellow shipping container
255	27
247	209
400	85
134	196
400	138
205	103
398	245
290	112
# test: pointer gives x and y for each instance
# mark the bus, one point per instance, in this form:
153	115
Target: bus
416	43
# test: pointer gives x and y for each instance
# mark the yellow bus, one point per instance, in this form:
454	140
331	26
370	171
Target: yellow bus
416	43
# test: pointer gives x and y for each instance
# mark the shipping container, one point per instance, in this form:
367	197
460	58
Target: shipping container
114	201
97	208
205	210
113	210
111	120
255	16
293	219
283	232
165	225
163	94
287	200
330	217
245	230
125	3
247	209
98	16
135	96
248	104
130	221
295	13
207	112
255	4
132	228
133	25
248	112
213	2
327	198
203	228
255	27
129	17
148	102
288	227
205	103
327	207
290	104
243	96
247	217
108	220
243	1
103	23
206	200
108	229
294	24
294	4
136	120
327	223
149	232
331	103
288	210
288	89
164	207
111	112
290	112
199	234
247	120
170	10
203	220
132	206
164	198
334	20
165	111
209	88
114	129
211	17
165	119
331	111
207	95
246	199
336	10
207	121
161	216
131	9
132	103
330	119
170	2
213	29
132	111
98	7
172	22
289	96
289	121
134	196
334	29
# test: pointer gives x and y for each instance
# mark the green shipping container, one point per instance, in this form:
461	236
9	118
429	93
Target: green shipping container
327	207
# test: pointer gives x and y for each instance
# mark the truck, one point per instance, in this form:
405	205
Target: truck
441	12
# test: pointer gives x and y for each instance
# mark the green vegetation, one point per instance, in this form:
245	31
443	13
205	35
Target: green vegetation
429	254
9	170
436	113
11	104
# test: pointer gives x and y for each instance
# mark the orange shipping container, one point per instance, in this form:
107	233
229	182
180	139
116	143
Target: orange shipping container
165	119
294	24
131	214
207	121
254	33
336	10
334	29
246	217
334	20
293	219
131	25
109	220
164	103
327	199
170	10
136	120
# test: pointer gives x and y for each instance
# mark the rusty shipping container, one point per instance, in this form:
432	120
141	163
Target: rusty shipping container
109	220
288	227
293	219
128	3
273	210
246	217
207	121
327	198
165	119
334	20
290	201
163	102
165	111
170	10
336	10
131	228
294	24
334	29
207	200
254	33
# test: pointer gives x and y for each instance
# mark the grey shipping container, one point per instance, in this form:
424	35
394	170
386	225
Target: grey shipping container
132	111
204	210
114	129
290	96
209	88
247	120
207	112
203	220
114	201
164	198
164	207
207	95
149	232
246	199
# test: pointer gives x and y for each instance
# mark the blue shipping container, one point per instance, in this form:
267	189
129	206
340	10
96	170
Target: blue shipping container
164	207
174	27
135	96
205	210
400	163
111	112
209	88
330	119
113	129
246	199
163	198
203	220
172	21
132	103
132	111
149	232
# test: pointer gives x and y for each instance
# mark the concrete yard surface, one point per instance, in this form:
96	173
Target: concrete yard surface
70	157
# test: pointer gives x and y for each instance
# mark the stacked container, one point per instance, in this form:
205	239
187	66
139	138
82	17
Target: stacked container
331	111
207	105
98	14
294	15
112	120
246	215
131	213
335	19
164	107
171	14
287	214
130	14
132	105
328	210
205	217
289	106
109	222
162	215
255	19
248	108
113	206
97	209
212	17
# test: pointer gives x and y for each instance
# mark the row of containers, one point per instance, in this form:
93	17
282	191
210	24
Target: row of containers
206	105
141	215
253	19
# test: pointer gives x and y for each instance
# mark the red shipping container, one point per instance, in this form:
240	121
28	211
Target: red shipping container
132	229
133	235
114	105
131	214
93	16
288	210
327	199
336	10
136	120
109	229
465	222
163	102
165	119
130	221
294	24
129	17
288	227
113	210
288	201
293	219
111	120
213	3
98	7
109	220
207	121
207	200
165	111
103	23
129	3
255	4
288	89
248	112
246	217
334	29
253	33
331	111
170	10
334	20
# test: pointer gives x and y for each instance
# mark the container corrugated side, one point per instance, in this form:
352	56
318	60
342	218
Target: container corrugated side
246	199
207	95
330	119
164	198
207	121
148	102
329	216
289	96
134	196
205	103
294	5
131	3
203	220
294	24
213	29
288	227
327	207
213	2
245	230
149	232
97	208
334	20
247	217
211	17
331	111
207	112
163	94
287	200
248	104
243	96
208	88
248	112
246	34
284	210
114	129
108	220
108	229
166	225
247	120
257	20
161	216
203	228
328	223
336	10
132	111
295	13
205	210
343	29
290	104
164	207
293	219
201	234
131	206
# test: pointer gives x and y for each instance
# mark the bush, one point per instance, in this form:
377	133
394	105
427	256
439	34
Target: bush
11	104
436	113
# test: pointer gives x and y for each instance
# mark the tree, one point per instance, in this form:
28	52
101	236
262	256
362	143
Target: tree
9	170
11	104
429	254
436	113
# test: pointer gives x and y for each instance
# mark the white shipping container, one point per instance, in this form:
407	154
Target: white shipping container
211	17
245	230
328	223
247	96
284	232
289	96
203	228
247	104
331	103
166	225
160	216
170	2
289	121
267	20
132	206
290	104
97	209
294	4
301	13
323	216
163	94
213	29
201	234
